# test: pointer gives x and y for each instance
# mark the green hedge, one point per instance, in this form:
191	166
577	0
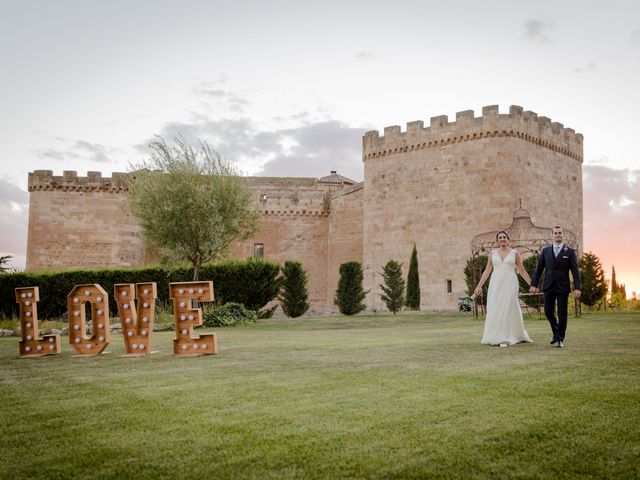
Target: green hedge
253	283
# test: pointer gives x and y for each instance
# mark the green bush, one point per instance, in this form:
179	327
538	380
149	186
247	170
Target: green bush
253	282
349	294
228	315
293	293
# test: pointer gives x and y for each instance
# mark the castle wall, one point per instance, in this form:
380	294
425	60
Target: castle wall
345	235
440	186
80	222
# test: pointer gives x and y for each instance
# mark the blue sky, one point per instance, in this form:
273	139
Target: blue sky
288	88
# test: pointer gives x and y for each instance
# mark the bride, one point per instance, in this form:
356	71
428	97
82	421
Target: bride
503	325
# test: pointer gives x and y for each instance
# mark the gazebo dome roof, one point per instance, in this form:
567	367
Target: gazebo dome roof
524	236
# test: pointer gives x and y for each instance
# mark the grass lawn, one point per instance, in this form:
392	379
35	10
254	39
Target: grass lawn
415	396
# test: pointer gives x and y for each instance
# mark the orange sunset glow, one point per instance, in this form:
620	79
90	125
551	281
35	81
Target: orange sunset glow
612	221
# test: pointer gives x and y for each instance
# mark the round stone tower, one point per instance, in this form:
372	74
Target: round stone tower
440	186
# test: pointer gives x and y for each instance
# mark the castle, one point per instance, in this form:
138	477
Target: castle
436	187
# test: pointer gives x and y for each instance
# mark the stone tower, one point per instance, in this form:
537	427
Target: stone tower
441	185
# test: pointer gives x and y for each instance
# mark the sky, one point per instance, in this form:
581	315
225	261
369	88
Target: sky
287	88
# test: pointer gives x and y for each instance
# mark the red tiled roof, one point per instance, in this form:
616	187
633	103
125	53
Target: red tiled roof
336	178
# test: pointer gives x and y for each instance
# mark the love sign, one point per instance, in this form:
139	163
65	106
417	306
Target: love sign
136	310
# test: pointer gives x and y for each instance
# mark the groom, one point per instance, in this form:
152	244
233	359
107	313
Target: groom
556	260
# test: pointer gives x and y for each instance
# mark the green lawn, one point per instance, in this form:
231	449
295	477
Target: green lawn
364	397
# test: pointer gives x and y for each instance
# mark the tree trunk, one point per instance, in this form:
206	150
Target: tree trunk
196	269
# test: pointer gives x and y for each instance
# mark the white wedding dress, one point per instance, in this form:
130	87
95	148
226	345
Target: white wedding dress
504	317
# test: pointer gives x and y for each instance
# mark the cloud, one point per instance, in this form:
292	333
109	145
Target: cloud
80	149
536	31
363	56
316	149
311	149
589	67
95	151
14	219
211	92
611	213
634	37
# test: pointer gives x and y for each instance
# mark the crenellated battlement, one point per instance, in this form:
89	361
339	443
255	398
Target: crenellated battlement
70	181
273	196
524	125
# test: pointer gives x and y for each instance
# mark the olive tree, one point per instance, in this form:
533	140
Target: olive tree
191	203
4	263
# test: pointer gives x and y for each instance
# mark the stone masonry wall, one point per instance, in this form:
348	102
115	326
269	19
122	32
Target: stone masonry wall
81	222
440	186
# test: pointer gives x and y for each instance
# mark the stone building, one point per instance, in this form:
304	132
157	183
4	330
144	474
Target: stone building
436	187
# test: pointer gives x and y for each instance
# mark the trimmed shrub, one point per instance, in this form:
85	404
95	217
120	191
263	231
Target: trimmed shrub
393	287
349	294
413	282
293	291
228	315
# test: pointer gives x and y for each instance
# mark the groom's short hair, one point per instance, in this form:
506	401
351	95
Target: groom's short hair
558	226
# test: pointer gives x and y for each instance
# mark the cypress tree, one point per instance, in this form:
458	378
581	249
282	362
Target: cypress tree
413	282
350	294
293	291
594	285
393	288
614	284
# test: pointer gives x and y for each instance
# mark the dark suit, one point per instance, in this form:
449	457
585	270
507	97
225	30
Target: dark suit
556	286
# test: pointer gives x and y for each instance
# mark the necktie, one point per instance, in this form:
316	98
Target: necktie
556	251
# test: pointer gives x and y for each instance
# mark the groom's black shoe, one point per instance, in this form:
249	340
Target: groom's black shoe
553	340
560	344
